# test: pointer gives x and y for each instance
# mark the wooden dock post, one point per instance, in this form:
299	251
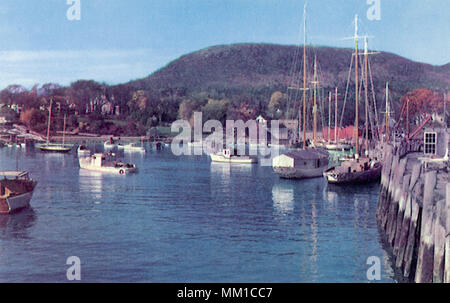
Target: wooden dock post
447	235
424	270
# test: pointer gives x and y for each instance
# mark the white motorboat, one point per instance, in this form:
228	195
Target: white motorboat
83	151
108	145
226	156
134	147
106	162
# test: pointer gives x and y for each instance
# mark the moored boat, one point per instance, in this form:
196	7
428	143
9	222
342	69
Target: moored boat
55	147
300	164
83	151
106	162
133	147
338	146
226	156
16	190
355	171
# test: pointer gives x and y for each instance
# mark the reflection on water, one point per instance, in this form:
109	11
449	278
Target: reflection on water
16	225
283	198
92	182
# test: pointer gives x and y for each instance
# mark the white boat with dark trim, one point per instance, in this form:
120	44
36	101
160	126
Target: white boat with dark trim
301	164
16	190
83	151
228	157
106	162
134	147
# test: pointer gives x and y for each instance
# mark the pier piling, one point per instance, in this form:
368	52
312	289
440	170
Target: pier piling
413	214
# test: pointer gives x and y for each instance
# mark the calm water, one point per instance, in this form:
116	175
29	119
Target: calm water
184	219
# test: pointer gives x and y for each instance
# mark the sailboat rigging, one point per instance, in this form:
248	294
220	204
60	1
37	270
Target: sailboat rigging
309	162
358	169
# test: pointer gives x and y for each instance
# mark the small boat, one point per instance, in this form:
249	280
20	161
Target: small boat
55	147
134	147
106	162
109	144
355	171
227	157
83	151
301	164
338	146
16	190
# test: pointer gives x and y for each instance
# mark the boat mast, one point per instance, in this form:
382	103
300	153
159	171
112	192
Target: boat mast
356	88
329	115
335	115
304	77
315	102
367	96
49	119
388	112
64	130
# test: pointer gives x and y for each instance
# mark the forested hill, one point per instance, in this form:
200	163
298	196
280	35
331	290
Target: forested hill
254	70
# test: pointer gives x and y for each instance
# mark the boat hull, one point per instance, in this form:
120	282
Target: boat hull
85	163
299	173
15	203
358	177
54	148
242	160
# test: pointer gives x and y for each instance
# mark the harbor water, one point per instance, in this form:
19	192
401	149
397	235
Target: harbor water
185	219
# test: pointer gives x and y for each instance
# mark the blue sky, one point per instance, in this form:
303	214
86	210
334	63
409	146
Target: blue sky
116	40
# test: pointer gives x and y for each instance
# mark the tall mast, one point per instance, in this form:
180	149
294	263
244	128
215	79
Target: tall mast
49	119
315	102
304	76
329	115
388	112
64	130
367	96
335	115
356	88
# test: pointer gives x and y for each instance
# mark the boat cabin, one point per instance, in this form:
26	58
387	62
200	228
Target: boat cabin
307	158
100	160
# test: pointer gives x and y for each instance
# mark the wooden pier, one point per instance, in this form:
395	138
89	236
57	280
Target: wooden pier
414	213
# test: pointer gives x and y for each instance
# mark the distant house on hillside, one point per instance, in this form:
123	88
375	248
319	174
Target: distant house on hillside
6	119
16	107
260	119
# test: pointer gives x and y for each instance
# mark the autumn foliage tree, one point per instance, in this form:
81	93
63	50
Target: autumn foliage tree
423	100
33	118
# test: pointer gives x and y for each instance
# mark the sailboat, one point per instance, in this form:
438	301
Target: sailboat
310	162
54	147
358	169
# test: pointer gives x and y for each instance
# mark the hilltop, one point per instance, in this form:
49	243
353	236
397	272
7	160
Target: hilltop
230	69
